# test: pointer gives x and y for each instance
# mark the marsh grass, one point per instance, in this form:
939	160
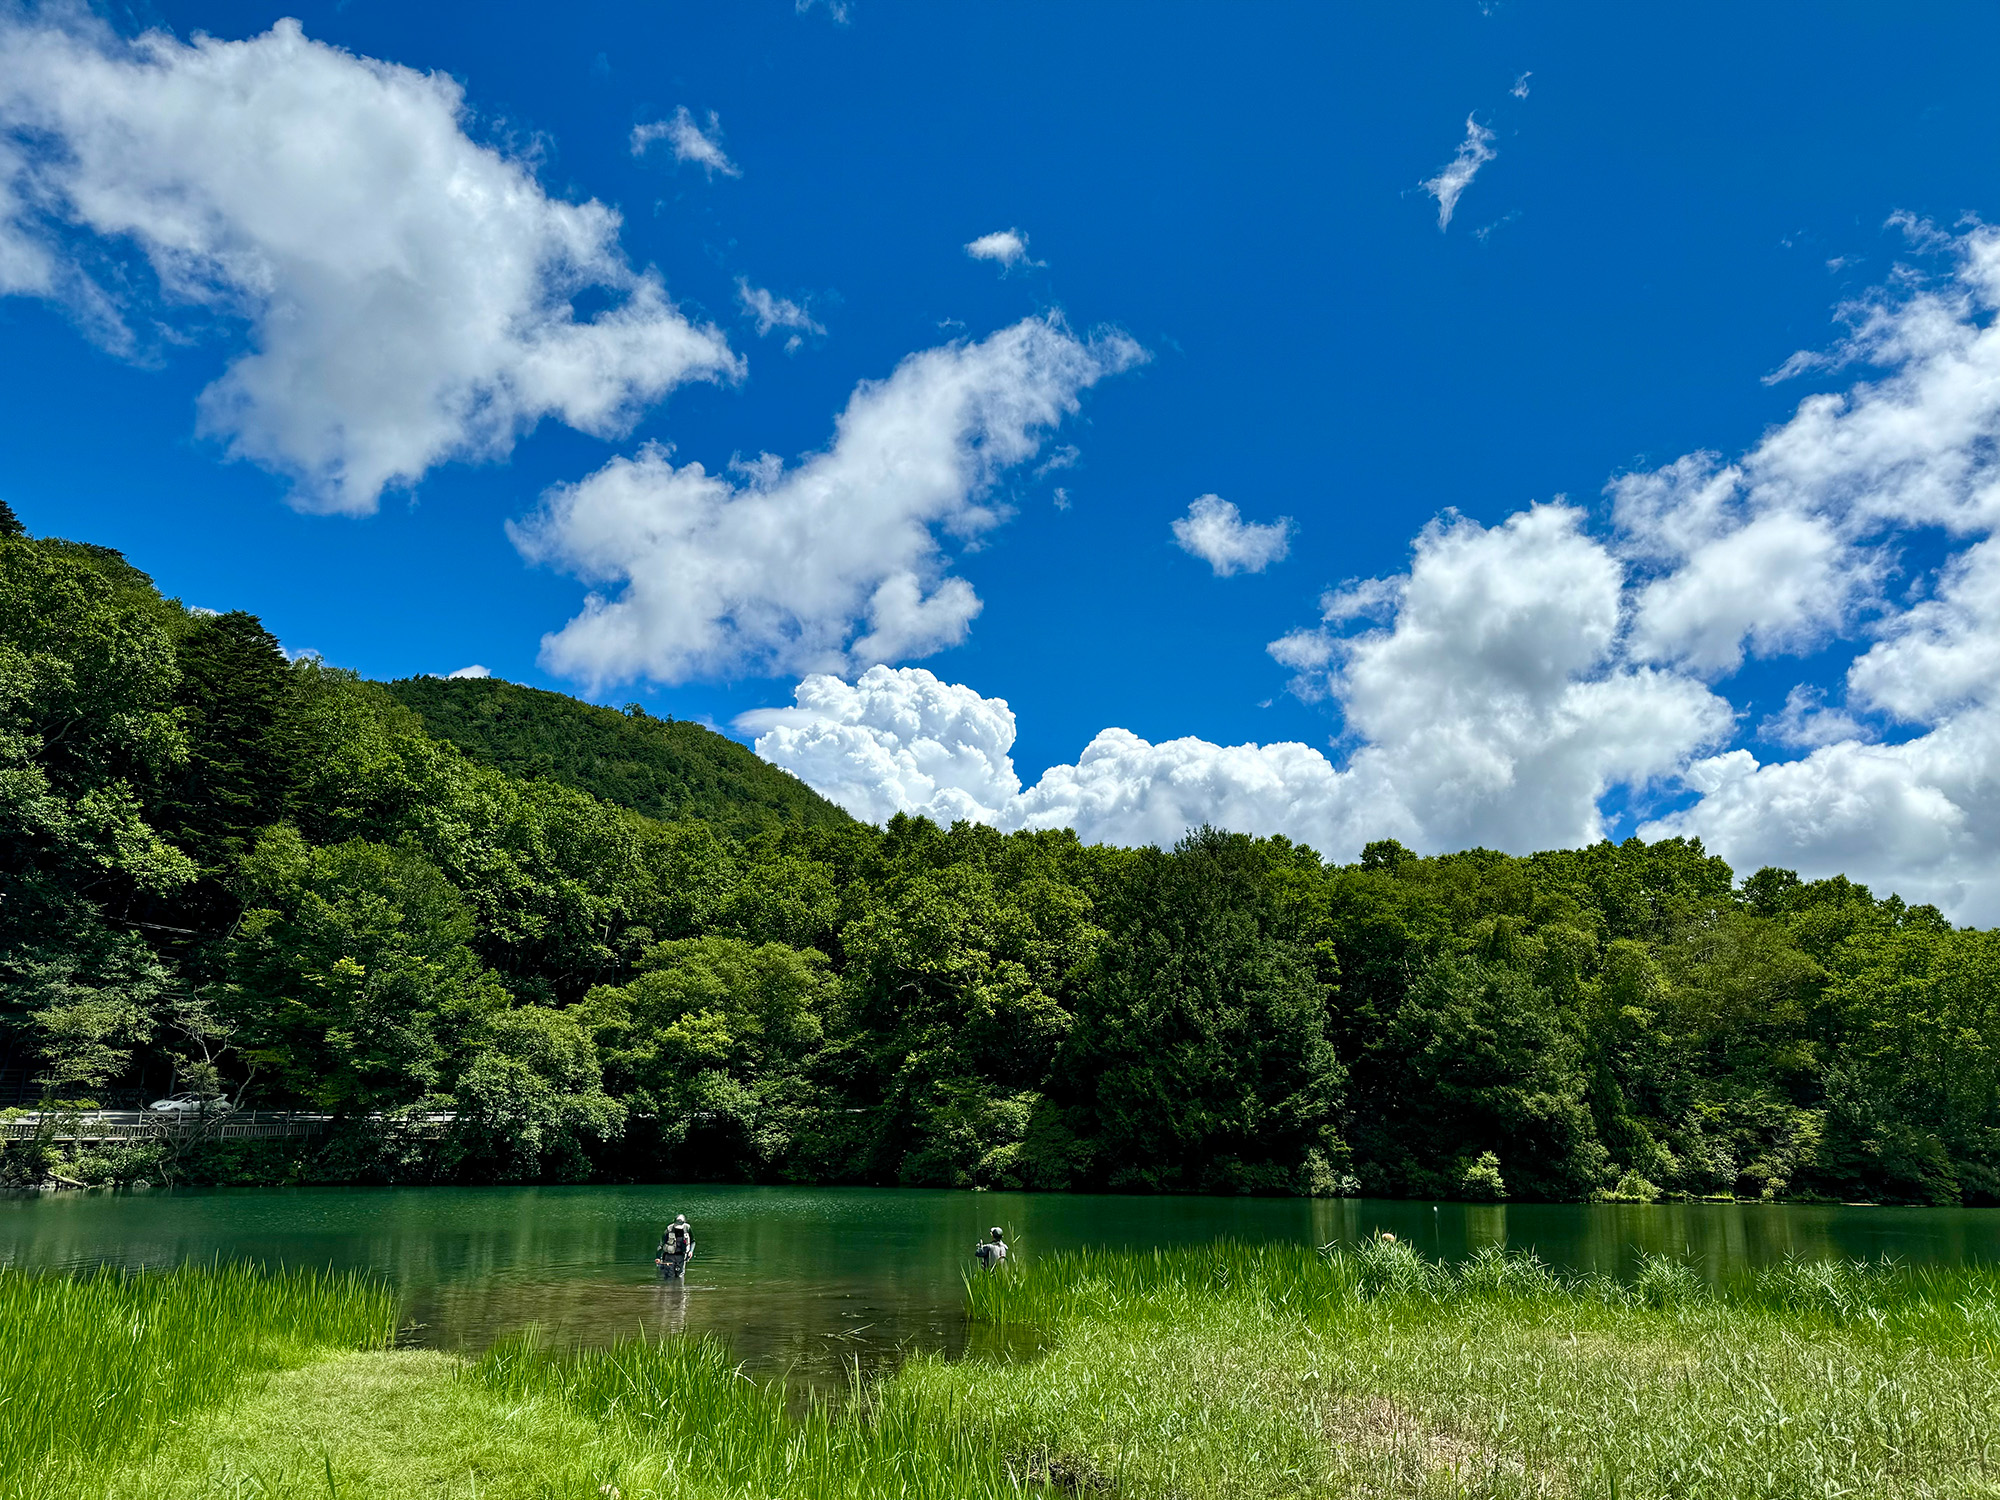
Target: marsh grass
96	1368
1252	1370
1220	1370
706	1424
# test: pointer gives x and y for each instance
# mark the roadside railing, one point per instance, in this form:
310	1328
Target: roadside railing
84	1127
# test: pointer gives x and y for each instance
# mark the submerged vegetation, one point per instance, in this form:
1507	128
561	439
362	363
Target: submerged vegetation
1220	1370
499	936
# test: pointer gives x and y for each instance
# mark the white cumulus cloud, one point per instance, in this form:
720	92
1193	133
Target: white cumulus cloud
835	562
1494	707
690	142
1215	531
408	291
896	740
1474	152
1491	710
475	670
1009	247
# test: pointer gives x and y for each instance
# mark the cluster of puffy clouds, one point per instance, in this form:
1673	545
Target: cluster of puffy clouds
410	296
1491	708
409	292
1515	675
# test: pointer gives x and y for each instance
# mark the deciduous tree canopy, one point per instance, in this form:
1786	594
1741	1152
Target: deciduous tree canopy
503	936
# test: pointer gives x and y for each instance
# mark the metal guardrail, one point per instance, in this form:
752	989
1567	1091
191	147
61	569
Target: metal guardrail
86	1126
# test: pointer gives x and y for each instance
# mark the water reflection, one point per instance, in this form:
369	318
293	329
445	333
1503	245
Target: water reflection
821	1282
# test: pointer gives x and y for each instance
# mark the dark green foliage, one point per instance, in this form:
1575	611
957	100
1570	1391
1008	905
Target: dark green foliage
1200	1056
351	978
11	529
1483	1066
665	768
244	740
501	935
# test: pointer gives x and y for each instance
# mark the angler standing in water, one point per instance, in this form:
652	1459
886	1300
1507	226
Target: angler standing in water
992	1250
676	1248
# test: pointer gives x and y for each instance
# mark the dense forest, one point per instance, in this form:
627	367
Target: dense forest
499	935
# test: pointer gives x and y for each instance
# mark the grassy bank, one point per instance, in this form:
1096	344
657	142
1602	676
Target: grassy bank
97	1370
1269	1371
1220	1370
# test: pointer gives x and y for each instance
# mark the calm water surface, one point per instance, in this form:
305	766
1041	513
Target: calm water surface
810	1280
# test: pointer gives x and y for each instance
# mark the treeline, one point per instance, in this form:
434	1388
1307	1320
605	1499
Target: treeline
227	873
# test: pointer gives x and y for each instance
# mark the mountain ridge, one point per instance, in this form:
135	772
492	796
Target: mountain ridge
667	768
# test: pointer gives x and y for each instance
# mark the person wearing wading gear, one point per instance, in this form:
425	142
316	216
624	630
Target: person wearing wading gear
992	1250
676	1248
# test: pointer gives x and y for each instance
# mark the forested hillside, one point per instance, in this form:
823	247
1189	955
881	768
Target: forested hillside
665	768
223	871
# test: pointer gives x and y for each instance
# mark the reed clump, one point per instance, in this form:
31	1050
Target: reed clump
1957	1305
95	1368
696	1423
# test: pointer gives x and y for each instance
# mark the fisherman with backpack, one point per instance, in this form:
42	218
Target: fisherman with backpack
992	1250
676	1248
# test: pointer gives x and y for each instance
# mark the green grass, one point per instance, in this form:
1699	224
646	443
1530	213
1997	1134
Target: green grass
686	1402
1223	1370
401	1425
96	1368
1245	1370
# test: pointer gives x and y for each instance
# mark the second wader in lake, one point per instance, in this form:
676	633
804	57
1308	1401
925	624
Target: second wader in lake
676	1248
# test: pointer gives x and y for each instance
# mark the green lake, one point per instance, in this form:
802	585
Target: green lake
812	1280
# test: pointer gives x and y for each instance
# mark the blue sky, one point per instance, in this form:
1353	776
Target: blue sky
1225	210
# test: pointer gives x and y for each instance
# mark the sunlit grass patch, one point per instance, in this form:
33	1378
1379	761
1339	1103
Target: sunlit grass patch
97	1368
404	1425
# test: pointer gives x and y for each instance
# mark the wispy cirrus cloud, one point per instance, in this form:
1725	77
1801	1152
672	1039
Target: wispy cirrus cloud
774	313
689	140
1474	152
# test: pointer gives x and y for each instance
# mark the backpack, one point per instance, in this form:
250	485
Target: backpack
677	1239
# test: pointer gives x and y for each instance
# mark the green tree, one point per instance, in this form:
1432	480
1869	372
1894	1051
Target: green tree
1200	1057
351	978
236	697
1913	1098
531	1103
85	715
709	1040
1484	1060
